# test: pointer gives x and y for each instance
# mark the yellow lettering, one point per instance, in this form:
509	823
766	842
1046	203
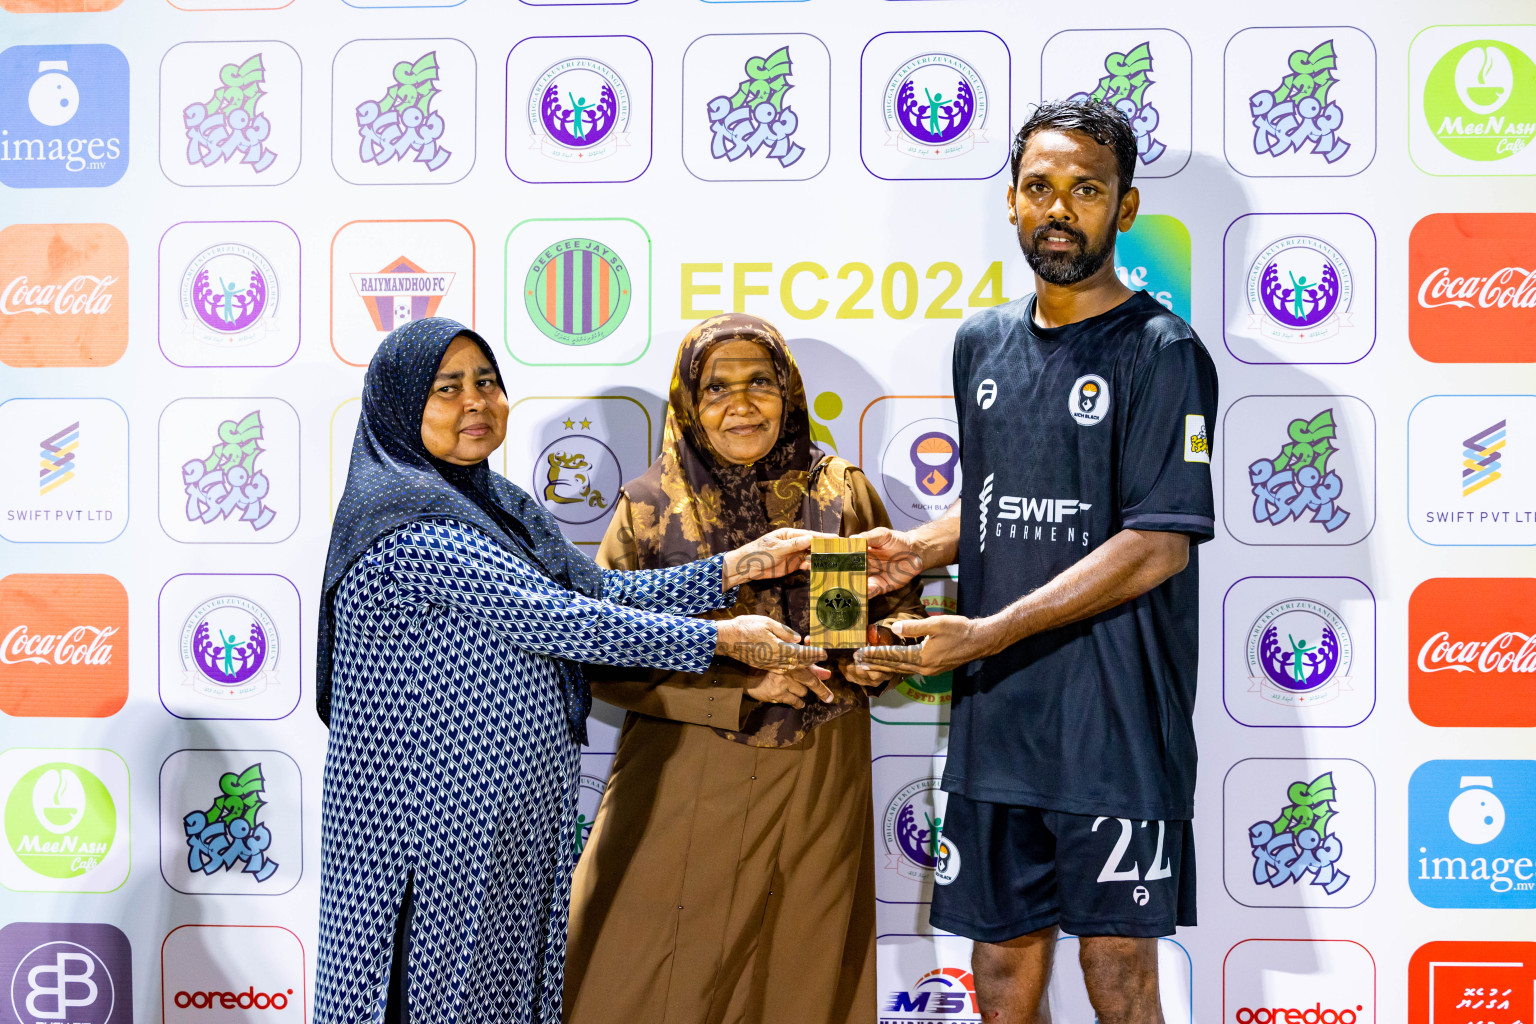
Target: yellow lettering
691	290
787	291
740	290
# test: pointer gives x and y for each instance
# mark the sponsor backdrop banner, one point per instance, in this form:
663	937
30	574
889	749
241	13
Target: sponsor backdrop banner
211	211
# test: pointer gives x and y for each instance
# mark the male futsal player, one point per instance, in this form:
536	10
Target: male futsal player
1085	415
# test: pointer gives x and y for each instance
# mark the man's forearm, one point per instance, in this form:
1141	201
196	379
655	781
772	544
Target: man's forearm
1121	569
938	541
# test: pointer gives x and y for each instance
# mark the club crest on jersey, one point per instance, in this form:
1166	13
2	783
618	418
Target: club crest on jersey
1089	401
1197	443
946	866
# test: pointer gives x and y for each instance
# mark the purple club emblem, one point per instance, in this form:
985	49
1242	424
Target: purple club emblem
578	110
933	117
229	295
1299	665
576	121
229	647
1300	290
935	107
911	829
918	838
1299	653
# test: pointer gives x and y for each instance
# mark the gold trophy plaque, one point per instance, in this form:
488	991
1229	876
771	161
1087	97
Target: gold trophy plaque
839	593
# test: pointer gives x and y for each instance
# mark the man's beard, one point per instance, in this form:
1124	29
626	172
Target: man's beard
1066	267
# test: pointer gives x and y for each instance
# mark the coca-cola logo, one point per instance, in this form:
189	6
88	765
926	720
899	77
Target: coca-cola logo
1473	292
1472	652
81	645
83	294
1508	288
66	288
1510	651
250	999
1315	1014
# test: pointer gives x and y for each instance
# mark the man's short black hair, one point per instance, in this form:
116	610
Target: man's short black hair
1099	121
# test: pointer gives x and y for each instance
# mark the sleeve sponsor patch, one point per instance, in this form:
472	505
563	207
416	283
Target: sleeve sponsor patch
1197	443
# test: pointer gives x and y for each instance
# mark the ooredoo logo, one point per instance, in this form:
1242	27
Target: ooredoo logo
80	973
1451	982
1298	981
1472	287
232	972
63	294
250	999
63	645
1472	652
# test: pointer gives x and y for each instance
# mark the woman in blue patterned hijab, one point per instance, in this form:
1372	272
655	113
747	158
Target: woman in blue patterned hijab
453	625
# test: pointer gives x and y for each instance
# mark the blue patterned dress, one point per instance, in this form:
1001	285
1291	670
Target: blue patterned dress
451	757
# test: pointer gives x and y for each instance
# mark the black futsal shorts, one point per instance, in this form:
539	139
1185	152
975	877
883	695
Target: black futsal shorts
1004	871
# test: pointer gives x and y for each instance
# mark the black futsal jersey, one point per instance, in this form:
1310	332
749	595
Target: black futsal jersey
1067	436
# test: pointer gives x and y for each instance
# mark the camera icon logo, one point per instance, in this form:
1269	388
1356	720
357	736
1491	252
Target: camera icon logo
54	97
1476	815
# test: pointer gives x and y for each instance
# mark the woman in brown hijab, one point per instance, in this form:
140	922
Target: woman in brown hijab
729	877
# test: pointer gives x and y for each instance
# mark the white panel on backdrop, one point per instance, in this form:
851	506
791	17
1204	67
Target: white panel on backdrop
1144	72
229	293
386	273
222	973
230	646
579	108
1472	99
573	454
1300	102
64	472
1299	651
1299	288
1068	993
1459	487
909	446
230	112
909	814
66	820
1299	832
343	433
1299	469
403	111
1333	980
934	105
578	291
757	107
925	978
231	822
229	470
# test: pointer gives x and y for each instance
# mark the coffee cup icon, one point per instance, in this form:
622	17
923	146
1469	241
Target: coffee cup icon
54	98
1484	78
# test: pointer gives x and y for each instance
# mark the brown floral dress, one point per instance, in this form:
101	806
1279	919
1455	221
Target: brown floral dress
729	875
